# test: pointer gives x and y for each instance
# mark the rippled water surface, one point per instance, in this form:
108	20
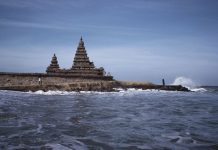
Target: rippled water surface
103	121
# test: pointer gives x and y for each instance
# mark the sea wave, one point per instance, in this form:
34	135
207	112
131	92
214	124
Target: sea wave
198	90
40	92
188	83
117	90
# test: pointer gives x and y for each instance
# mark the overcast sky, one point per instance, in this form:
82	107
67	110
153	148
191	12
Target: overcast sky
137	40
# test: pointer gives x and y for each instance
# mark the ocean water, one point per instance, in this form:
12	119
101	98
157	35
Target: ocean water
125	120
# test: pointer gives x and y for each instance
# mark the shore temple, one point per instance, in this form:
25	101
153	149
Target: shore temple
82	66
81	76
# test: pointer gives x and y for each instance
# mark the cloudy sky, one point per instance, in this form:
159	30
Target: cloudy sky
137	40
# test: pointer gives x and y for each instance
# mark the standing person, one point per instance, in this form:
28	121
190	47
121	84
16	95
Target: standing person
40	81
163	82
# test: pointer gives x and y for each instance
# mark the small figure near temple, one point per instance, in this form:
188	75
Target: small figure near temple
40	81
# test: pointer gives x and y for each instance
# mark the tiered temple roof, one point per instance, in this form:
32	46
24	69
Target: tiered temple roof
82	66
81	60
54	66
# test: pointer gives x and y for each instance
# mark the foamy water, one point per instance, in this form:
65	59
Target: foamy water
124	91
186	82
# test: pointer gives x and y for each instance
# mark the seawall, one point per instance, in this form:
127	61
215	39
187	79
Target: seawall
13	79
30	82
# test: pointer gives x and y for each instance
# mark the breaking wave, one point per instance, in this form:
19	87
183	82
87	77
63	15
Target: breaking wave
188	83
40	92
117	90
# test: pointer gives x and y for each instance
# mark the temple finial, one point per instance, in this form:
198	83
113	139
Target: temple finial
81	43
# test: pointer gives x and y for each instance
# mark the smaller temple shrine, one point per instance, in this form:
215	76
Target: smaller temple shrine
54	66
82	66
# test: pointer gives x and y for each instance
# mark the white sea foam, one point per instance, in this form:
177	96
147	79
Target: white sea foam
40	92
133	90
188	83
118	90
198	90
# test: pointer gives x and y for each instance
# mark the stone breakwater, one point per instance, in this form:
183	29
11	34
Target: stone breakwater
45	82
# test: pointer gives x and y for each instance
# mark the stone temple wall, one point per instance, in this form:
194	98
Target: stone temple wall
14	79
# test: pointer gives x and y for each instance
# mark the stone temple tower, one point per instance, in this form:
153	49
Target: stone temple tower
81	60
54	66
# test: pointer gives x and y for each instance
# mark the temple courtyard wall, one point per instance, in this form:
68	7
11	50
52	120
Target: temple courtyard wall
40	81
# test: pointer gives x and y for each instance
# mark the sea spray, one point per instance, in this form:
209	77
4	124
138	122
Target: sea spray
188	83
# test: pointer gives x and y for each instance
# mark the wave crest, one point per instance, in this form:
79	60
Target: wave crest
188	83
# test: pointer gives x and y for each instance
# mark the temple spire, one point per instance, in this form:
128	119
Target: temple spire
81	43
54	61
81	60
